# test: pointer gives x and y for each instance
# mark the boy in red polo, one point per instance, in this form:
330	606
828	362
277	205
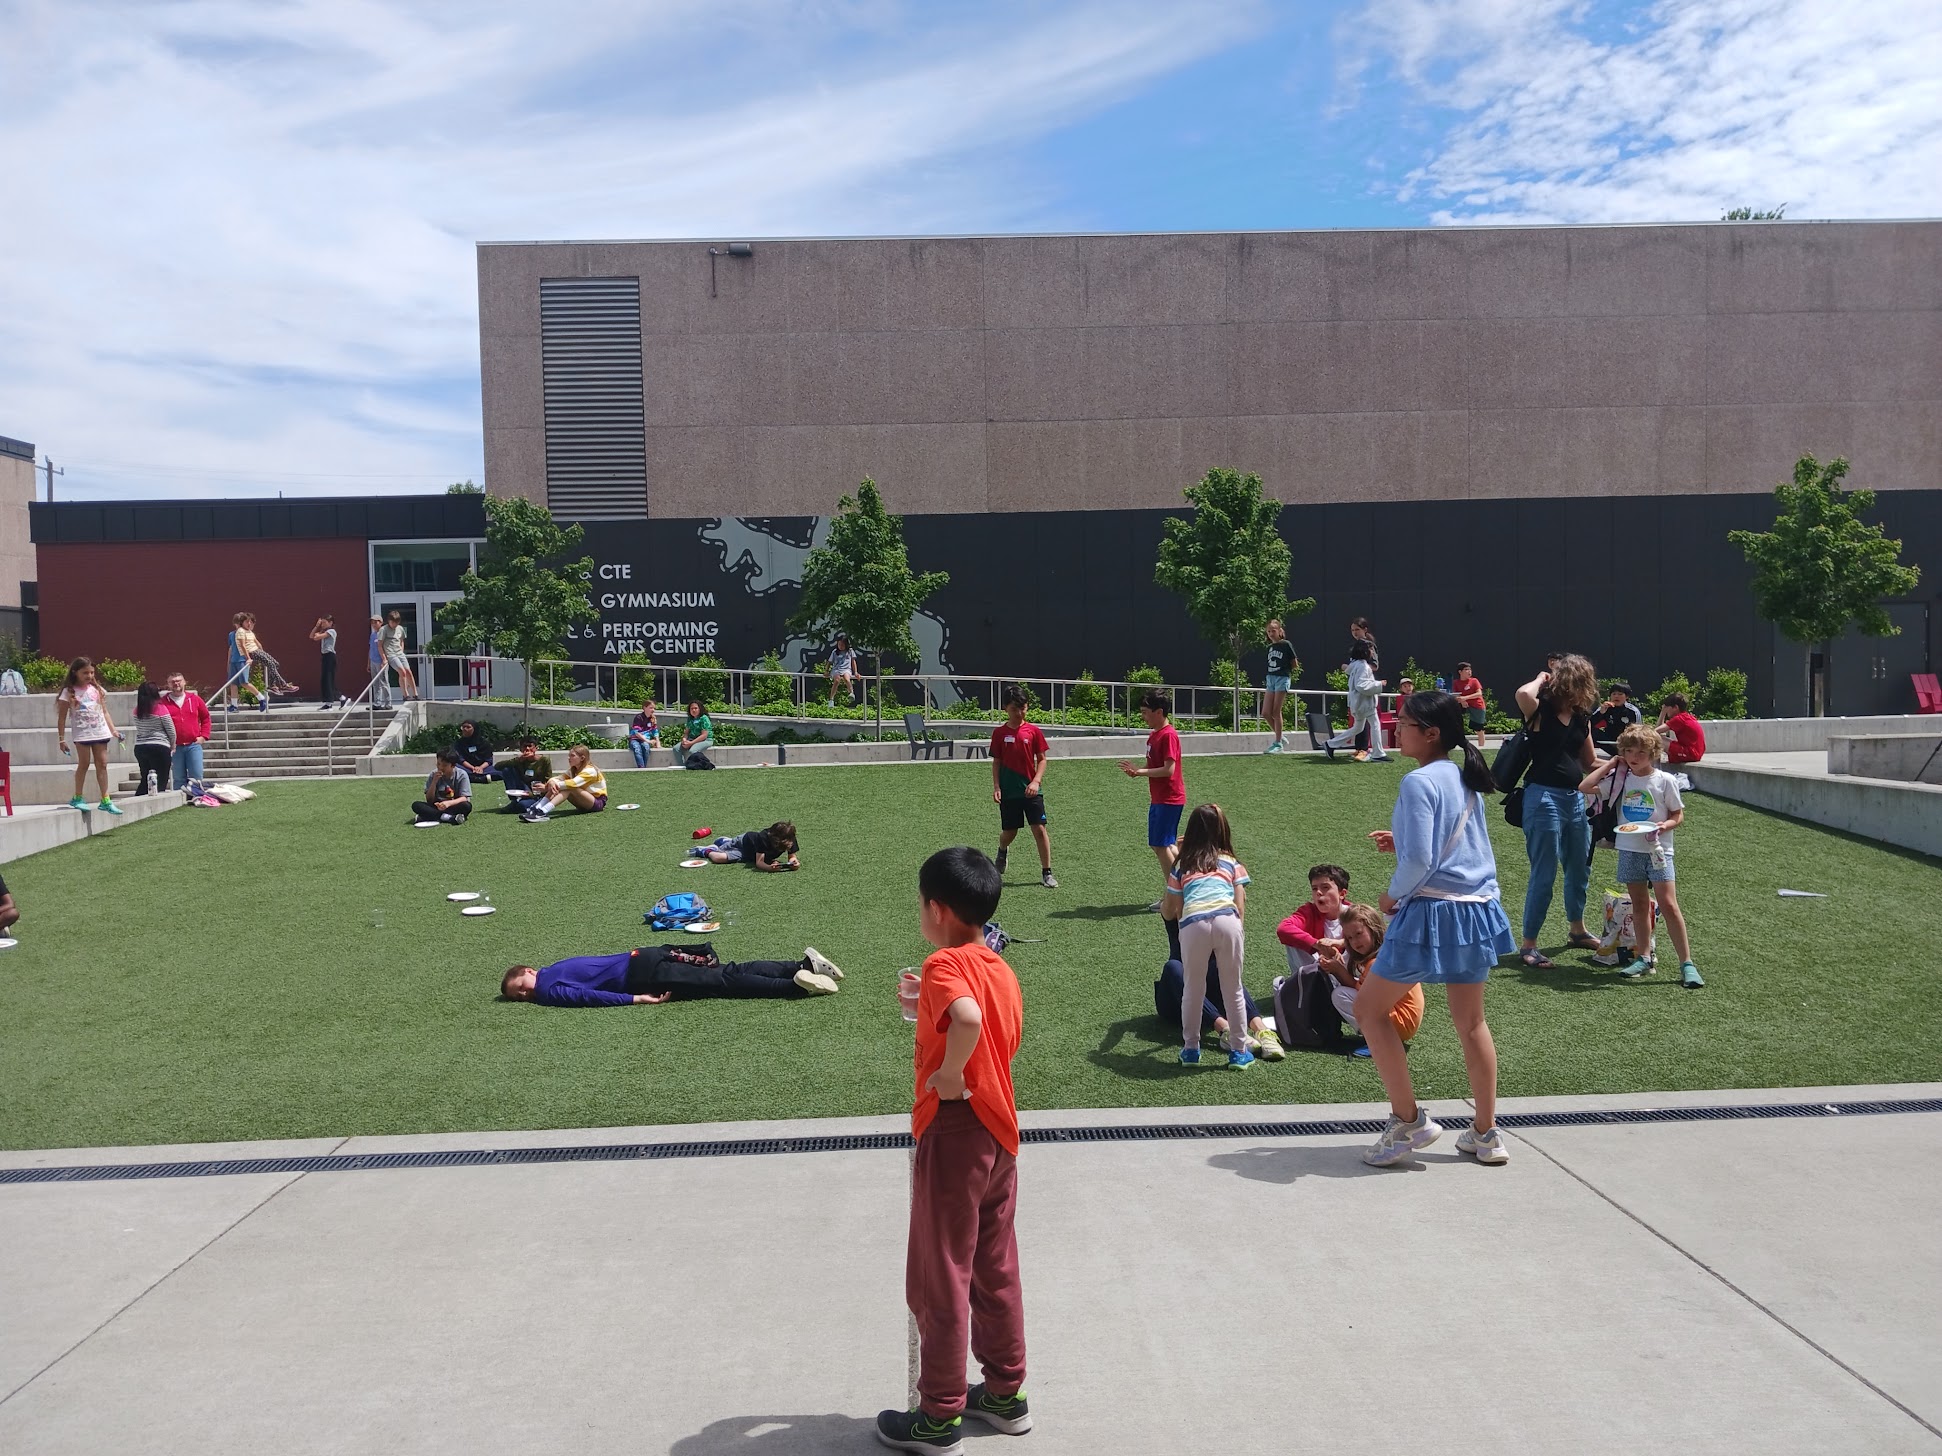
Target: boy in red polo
961	1268
1018	753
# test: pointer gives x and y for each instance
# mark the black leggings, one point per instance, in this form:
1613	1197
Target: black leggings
152	758
424	809
327	685
742	980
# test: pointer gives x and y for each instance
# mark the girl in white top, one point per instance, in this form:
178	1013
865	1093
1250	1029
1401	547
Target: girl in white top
84	705
1364	692
1207	894
391	640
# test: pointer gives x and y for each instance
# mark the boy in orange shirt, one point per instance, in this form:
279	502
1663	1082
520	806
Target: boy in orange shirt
961	1268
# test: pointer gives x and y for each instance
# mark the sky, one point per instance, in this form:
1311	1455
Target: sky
236	236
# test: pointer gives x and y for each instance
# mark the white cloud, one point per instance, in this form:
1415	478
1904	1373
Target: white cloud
238	236
1832	108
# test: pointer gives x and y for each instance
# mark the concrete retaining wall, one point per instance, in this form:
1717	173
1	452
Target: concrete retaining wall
1906	758
1908	815
1804	735
22	834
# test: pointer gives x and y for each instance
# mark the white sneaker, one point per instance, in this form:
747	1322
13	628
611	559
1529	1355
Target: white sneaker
814	984
1399	1139
1485	1147
821	964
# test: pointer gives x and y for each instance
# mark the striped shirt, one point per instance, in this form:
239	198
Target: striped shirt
1208	892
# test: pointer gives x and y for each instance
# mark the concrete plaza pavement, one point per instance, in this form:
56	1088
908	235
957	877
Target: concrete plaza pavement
1715	1286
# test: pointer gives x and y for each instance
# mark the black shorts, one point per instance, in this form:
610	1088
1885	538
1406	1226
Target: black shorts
1478	717
1017	813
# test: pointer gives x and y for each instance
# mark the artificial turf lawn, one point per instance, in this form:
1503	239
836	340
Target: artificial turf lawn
210	976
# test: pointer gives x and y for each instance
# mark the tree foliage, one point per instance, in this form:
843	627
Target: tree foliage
1755	214
1227	561
1822	568
525	595
859	582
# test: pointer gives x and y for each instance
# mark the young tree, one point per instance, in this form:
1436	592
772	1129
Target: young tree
525	595
1822	568
1228	563
859	582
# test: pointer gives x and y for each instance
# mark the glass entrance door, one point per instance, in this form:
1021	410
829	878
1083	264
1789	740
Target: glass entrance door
418	614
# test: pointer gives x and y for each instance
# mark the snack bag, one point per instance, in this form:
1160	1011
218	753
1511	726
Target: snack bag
1615	942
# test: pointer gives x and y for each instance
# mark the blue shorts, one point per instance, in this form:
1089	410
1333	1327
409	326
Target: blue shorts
1640	867
1278	682
1162	824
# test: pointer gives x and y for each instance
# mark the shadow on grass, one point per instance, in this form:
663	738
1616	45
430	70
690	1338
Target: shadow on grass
797	1435
1155	1057
1564	976
1289	1165
1097	912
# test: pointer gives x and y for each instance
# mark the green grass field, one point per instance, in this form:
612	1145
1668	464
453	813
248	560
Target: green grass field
219	975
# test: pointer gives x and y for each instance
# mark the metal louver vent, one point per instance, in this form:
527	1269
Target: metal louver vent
590	353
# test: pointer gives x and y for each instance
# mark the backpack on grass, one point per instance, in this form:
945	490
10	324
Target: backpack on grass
1304	1012
673	912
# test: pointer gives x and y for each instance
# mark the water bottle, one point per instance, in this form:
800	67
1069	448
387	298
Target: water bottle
148	783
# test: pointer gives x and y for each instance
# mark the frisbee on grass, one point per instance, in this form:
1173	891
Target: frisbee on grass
7	942
694	864
624	807
702	926
463	895
425	824
480	910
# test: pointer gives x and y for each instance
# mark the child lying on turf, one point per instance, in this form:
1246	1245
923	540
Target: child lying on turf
769	850
653	974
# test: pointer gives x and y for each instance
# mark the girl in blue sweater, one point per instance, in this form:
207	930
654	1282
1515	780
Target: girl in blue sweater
1447	925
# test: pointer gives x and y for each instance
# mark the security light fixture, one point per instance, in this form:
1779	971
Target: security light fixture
733	250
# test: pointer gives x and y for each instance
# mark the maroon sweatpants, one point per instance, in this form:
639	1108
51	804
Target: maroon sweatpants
961	1271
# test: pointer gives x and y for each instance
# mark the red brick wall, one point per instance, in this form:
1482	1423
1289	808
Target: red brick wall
167	604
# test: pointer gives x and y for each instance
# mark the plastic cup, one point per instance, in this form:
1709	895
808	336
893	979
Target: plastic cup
910	985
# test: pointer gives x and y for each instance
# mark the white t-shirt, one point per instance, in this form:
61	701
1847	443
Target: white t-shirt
1649	800
328	642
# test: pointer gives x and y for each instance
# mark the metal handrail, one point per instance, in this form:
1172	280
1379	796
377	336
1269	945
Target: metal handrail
241	673
370	709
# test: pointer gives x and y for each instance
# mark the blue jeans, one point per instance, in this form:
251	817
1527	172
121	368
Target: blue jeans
1555	830
186	765
640	747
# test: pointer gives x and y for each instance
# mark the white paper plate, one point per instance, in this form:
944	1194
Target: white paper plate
426	824
463	895
1636	829
480	910
694	864
623	808
701	927
7	942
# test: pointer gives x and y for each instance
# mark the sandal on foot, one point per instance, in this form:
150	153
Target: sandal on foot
1537	960
1585	940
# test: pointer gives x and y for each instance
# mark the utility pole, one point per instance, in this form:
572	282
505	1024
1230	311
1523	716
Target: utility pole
47	461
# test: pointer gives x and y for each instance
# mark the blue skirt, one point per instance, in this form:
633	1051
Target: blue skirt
1451	942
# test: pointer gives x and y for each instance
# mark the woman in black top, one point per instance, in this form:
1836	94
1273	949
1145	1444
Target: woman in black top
1556	707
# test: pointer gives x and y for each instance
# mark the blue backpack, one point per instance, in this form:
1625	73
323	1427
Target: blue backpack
675	912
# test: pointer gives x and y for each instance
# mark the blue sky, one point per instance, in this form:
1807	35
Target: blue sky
238	236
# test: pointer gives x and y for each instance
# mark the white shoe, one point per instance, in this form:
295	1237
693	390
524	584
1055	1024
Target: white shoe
821	964
1400	1139
1485	1147
814	984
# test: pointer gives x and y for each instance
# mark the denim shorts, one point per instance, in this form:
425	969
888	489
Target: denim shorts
1278	682
1162	824
1638	866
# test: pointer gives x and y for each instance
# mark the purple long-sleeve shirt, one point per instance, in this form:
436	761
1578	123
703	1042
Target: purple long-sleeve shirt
597	980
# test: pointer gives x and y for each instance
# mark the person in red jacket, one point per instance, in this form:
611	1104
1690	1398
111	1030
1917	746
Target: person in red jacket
1686	740
191	716
1318	924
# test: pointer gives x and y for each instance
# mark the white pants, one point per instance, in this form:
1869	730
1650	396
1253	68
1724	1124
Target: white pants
1358	720
1218	936
1344	999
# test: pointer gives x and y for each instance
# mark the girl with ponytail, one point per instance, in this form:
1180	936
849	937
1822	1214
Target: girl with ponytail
1447	924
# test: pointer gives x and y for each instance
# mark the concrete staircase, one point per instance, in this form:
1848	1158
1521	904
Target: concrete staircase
284	743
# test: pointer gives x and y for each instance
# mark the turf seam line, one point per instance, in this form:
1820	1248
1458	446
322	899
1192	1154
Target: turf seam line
1708	1269
159	1281
334	1162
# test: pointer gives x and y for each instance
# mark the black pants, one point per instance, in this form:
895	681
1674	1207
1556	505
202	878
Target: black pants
424	810
327	693
739	980
152	758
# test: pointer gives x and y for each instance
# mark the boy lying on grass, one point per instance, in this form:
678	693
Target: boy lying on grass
769	850
652	974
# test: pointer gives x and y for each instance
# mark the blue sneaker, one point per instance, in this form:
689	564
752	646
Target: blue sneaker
1190	1056
1643	966
1240	1060
108	806
1689	976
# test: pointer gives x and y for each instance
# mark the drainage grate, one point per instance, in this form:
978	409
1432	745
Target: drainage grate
895	1141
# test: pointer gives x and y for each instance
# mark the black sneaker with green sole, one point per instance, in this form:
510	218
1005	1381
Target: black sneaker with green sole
915	1431
1008	1413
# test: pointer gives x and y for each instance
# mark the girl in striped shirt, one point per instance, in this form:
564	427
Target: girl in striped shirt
1207	894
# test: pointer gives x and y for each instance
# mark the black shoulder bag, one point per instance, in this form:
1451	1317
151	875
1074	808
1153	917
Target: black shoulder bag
1512	762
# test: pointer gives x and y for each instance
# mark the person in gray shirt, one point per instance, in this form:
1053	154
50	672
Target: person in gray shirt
448	792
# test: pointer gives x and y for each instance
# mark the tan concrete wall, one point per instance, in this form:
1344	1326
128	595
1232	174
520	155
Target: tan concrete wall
16	548
1108	372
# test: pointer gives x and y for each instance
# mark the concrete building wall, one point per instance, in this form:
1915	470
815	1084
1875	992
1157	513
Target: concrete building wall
1105	372
16	545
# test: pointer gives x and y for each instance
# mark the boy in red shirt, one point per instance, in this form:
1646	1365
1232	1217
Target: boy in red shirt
1166	783
1018	753
1686	740
1469	693
961	1267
